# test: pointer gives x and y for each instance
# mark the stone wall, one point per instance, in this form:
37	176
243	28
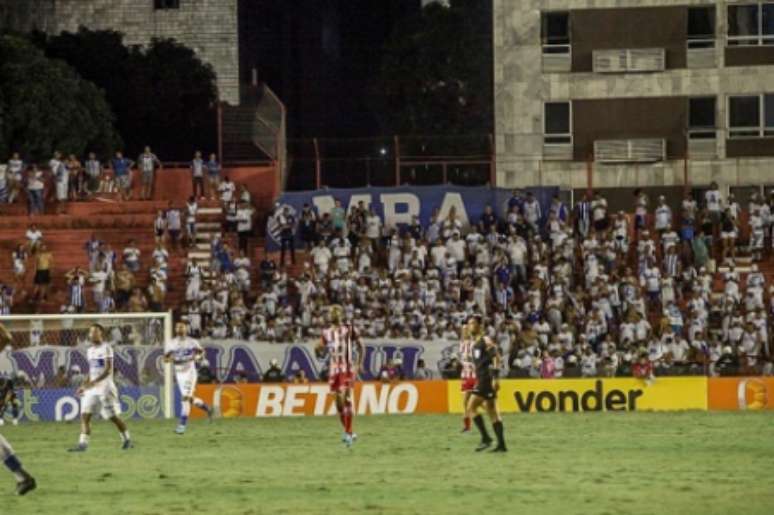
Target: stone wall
209	27
521	87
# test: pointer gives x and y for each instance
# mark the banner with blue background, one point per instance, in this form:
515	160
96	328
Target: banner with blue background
396	206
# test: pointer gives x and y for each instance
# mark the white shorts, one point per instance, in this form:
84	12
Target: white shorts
186	382
61	190
730	235
104	398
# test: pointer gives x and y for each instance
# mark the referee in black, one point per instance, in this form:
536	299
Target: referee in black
486	359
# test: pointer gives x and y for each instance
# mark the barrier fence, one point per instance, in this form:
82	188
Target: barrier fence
429	397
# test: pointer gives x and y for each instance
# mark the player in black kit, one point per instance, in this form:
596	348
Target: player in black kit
486	359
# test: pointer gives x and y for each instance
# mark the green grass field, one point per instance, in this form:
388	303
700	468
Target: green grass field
633	463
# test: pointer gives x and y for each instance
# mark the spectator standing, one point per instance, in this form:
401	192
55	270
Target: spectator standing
122	168
191	208
131	256
61	180
373	228
308	226
34	238
3	184
197	175
226	189
213	175
35	187
93	173
160	225
77	178
338	217
244	218
15	172
147	162
287	224
174	225
43	261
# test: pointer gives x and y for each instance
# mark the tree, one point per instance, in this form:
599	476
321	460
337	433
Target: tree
46	106
436	75
163	95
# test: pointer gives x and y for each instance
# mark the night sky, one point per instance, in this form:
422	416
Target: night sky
319	57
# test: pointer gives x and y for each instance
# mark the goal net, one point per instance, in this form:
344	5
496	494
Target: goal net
47	361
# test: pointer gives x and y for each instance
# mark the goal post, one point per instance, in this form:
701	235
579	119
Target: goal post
47	359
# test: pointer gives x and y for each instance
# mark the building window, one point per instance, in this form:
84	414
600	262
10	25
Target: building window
701	118
166	4
557	123
751	24
701	27
751	116
555	32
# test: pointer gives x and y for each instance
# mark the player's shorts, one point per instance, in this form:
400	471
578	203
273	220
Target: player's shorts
341	381
468	384
104	399
485	391
186	382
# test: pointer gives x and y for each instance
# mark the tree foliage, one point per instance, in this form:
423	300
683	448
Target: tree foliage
163	95
436	75
45	105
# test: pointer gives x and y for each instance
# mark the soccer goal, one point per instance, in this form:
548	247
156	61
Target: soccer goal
47	361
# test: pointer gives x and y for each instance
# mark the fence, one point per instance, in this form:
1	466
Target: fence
391	161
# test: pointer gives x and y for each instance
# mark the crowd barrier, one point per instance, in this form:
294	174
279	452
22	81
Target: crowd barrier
430	397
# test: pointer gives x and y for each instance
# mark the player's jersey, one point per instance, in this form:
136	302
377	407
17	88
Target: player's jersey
183	352
466	358
484	359
98	355
340	341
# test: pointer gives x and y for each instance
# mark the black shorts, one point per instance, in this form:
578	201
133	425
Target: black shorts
484	390
42	277
600	225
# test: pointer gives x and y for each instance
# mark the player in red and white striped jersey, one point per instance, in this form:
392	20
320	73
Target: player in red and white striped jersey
468	374
345	359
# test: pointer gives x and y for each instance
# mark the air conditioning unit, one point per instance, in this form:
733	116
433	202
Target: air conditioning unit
610	61
630	150
629	60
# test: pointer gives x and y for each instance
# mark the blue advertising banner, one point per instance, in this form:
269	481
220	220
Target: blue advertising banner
62	405
397	206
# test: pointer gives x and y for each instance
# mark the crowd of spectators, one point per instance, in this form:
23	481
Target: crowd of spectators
71	179
564	290
575	290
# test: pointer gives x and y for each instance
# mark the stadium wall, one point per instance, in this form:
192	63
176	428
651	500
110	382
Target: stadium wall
428	397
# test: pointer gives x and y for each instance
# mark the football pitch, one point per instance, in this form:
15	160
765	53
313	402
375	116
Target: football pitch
600	463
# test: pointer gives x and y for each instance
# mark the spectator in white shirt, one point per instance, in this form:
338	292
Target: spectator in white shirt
131	257
34	238
244	225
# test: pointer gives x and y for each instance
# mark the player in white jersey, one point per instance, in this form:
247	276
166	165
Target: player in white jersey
468	373
346	354
99	390
185	353
24	482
